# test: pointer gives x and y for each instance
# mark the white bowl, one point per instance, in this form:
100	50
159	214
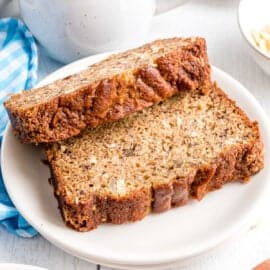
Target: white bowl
254	15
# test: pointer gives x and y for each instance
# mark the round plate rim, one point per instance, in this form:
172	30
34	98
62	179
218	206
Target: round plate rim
169	258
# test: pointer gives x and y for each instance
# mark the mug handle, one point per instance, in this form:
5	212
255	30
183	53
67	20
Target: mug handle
166	5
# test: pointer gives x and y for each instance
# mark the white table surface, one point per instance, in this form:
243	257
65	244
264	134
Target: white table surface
215	20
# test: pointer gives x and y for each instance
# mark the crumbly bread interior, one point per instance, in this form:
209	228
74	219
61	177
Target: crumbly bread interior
106	69
151	147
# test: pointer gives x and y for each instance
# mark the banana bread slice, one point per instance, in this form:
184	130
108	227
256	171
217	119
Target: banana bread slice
154	159
109	90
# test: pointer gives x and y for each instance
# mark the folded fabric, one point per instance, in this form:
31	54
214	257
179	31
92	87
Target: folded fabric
18	65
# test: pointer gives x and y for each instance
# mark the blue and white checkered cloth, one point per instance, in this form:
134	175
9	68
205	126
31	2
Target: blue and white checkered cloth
18	71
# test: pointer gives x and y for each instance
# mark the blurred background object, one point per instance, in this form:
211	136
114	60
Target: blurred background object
253	17
166	5
70	30
9	8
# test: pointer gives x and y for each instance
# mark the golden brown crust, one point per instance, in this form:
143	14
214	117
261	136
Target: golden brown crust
265	265
237	163
114	98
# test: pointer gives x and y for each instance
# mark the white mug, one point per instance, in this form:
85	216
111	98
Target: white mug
71	29
8	8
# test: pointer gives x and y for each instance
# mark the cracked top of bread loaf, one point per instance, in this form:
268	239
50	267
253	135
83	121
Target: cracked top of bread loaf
105	69
109	90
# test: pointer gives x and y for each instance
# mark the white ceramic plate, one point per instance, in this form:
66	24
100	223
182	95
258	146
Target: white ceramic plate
159	239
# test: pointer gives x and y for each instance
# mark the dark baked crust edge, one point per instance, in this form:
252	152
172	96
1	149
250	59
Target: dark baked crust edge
236	163
113	98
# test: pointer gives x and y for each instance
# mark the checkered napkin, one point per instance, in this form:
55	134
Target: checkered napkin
18	70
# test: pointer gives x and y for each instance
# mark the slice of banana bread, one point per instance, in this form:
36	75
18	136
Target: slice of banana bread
153	160
109	90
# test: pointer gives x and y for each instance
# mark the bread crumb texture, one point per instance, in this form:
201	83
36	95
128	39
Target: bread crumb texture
153	160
